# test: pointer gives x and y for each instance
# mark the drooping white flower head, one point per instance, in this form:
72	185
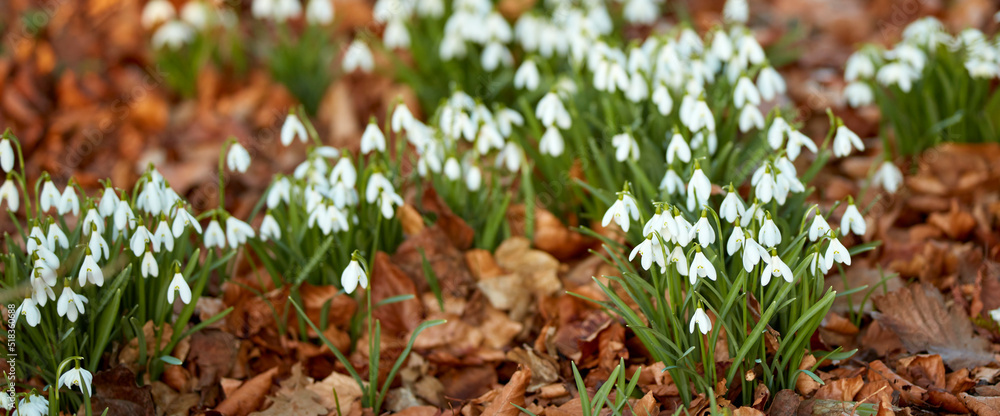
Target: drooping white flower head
238	159
77	377
98	246
6	155
179	287
769	234
358	56
731	208
551	142
678	149
56	238
396	35
844	140
859	67
269	228
372	139
745	93
50	196
701	320
836	253
90	272
173	35
148	266
776	268
819	227
679	260
736	11
625	147
473	177
853	221
182	220
293	128
701	267
623	211
888	177
661	97
41	291
214	236
699	189
672	183
770	83
527	76
753	253
124	217
69	202
898	74
353	276
379	188
70	304
702	229
796	140
140	240
9	194
858	94
237	232
649	250
29	310
751	118
551	112
319	12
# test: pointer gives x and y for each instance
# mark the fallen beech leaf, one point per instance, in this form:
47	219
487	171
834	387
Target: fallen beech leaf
804	384
512	393
785	403
388	281
646	406
843	389
539	269
982	406
956	223
347	391
919	316
544	370
299	403
911	393
924	370
116	391
249	396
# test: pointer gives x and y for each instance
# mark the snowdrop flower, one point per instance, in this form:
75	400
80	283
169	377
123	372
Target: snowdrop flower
551	112
182	220
238	159
844	140
753	253
494	54
770	83
90	272
795	142
888	176
237	232
69	202
149	266
41	291
214	236
506	119
140	240
858	94
124	216
703	230
897	73
269	228
649	250
621	211
319	12
70	304
109	203
452	170
9	194
995	314
173	35
661	97
637	90
700	117
817	265
396	35
293	128
77	377
672	183
678	259
29	310
402	118
678	148
859	66
56	238
699	189
776	133
98	246
819	227
746	93
156	12
372	139
749	50
33	405
732	208
625	147
836	253
551	143
379	188
751	118
682	230
92	222
736	11
50	196
700	267
777	268
640	11
283	10
178	286
852	221
510	157
358	56
353	276
196	14
769	233
163	236
6	155
527	76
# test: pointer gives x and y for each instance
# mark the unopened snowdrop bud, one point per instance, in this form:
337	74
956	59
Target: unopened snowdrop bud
776	268
292	129
178	287
29	310
214	236
769	235
237	232
238	159
751	118
552	142
817	265
625	147
6	155
736	11
700	267
372	139
353	276
852	221
678	148
702	229
819	227
770	83
396	35
452	169
888	176
90	272
844	140
699	189
149	266
622	211
49	196
99	247
319	12
70	304
173	35
745	93
358	56
473	178
836	253
9	194
269	228
527	76
140	240
858	94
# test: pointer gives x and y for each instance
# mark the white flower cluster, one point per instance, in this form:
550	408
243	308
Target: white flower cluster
172	30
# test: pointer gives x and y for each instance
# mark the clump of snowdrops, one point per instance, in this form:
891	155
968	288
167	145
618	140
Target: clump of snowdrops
931	87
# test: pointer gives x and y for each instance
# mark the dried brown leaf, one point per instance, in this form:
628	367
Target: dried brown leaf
512	393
